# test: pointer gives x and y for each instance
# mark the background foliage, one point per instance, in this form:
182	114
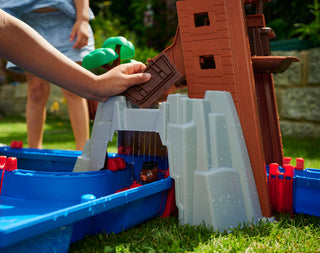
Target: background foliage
126	18
128	15
282	15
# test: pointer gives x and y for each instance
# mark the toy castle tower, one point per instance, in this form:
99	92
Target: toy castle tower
217	47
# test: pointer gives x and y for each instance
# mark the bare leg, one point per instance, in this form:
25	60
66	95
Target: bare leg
38	94
79	117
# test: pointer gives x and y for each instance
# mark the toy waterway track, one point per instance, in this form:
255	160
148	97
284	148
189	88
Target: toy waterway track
217	141
45	211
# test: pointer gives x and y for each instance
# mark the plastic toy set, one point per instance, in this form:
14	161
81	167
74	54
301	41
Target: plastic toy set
294	189
99	192
217	142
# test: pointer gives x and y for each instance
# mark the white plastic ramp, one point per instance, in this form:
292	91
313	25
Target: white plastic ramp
207	153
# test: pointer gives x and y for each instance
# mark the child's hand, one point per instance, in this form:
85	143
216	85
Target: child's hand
80	32
122	77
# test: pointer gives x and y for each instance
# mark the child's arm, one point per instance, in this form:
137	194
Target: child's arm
20	44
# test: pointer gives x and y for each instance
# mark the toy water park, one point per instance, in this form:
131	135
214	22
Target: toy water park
205	155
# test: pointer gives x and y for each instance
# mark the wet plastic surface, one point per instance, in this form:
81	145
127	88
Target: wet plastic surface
44	211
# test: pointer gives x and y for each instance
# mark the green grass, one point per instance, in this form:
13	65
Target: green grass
307	148
58	133
298	234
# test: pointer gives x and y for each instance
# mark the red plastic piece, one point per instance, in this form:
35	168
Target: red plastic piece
11	164
286	160
8	164
116	163
281	188
16	144
273	179
3	160
171	206
2	175
134	185
287	187
121	150
129	150
299	164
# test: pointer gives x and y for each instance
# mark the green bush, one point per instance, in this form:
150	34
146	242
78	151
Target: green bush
106	24
310	31
282	16
129	16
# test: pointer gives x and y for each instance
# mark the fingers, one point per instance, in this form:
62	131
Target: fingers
73	33
80	42
80	33
139	78
132	68
134	73
122	77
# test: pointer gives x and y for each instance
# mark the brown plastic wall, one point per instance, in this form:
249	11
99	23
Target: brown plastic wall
225	38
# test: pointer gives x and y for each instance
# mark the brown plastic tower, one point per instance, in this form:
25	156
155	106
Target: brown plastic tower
217	56
213	51
217	47
263	65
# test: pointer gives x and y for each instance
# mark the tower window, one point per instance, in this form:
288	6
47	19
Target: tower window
207	62
201	19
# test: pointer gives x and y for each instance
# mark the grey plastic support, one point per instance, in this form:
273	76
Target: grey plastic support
207	154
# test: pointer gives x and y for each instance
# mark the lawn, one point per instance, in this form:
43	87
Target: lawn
298	234
57	133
